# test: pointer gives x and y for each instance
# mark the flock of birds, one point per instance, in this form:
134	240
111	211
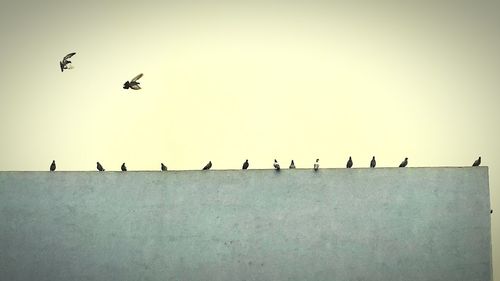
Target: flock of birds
276	165
132	84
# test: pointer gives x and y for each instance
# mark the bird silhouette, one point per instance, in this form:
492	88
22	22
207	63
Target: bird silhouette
404	163
477	162
163	167
349	163
133	84
245	165
208	166
276	165
124	168
316	165
373	163
100	168
53	166
64	63
292	165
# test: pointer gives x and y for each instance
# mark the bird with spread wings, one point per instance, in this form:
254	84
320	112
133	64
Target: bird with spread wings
64	63
133	84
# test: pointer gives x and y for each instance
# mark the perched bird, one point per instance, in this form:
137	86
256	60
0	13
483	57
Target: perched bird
292	165
133	84
163	167
124	168
477	162
53	166
100	168
245	165
316	165
276	165
64	63
373	163
491	211
208	166
404	163
349	163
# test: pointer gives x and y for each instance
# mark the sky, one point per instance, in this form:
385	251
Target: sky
231	80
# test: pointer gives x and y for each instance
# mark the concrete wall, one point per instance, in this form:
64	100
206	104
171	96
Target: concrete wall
336	224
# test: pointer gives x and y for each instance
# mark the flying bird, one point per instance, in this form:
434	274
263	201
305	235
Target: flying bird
163	167
100	168
64	63
124	168
316	165
292	165
349	163
404	163
53	166
208	166
276	165
373	163
477	162
133	84
245	165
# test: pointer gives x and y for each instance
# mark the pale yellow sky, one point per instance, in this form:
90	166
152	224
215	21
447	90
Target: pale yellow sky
227	81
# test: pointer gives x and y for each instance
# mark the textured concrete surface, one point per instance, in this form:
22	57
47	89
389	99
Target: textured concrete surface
335	224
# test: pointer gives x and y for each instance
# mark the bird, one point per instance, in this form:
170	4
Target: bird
133	84
477	162
163	167
124	168
53	166
100	168
245	165
316	165
64	63
349	163
373	163
208	166
292	165
404	163
276	165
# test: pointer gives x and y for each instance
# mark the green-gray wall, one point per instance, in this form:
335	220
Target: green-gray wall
336	224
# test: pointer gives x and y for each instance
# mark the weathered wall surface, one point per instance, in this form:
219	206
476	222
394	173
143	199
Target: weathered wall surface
335	224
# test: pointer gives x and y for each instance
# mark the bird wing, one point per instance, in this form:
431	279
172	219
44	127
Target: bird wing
136	78
68	56
135	87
